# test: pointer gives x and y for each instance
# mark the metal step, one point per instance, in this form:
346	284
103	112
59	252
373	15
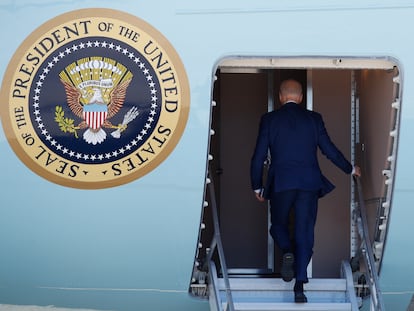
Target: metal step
291	307
264	294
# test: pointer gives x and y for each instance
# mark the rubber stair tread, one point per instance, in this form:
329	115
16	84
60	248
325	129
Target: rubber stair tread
310	306
268	284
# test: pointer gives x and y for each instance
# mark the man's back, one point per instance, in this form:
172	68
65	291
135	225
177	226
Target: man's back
292	140
293	135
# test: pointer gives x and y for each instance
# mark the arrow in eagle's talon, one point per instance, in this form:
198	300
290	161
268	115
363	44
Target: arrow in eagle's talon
122	127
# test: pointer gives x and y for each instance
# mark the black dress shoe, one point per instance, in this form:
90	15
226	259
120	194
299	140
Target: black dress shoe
287	267
300	297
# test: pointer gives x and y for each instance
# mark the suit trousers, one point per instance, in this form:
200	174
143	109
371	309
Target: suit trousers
305	207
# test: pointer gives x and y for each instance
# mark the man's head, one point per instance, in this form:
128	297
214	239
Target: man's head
290	91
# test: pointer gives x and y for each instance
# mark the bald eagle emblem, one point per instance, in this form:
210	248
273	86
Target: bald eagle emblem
95	92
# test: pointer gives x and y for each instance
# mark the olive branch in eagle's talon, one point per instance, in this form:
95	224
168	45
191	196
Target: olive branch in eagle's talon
65	124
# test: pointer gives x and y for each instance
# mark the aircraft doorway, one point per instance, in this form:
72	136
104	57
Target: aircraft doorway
359	101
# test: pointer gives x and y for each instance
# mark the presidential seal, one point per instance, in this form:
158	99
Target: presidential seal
94	99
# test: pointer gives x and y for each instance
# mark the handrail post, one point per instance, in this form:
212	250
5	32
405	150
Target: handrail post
218	243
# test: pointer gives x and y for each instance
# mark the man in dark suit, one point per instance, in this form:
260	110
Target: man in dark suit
293	134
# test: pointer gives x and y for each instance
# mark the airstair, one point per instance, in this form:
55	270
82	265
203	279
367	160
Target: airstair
227	292
262	294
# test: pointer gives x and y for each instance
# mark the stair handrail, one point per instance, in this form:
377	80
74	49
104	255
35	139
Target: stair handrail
217	243
366	249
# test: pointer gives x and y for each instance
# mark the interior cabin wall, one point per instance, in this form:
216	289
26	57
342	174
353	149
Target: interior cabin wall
332	98
376	93
243	99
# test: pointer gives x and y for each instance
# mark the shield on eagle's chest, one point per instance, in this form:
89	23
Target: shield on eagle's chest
95	115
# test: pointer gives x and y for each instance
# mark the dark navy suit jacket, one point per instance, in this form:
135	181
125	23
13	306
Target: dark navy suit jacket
293	135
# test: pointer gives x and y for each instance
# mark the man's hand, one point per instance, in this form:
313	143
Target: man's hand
357	171
259	196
